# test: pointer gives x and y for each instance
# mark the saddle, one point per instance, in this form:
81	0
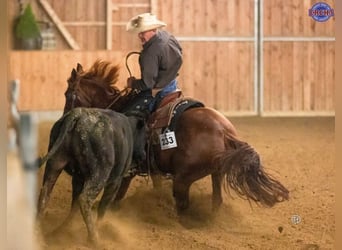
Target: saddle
163	121
169	110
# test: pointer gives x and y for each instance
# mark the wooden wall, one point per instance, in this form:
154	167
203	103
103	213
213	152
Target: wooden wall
299	77
218	39
43	76
299	74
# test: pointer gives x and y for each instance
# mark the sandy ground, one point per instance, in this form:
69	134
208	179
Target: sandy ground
300	152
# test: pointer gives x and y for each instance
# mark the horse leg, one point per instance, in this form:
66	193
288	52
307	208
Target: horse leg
156	181
110	193
122	191
77	186
181	194
52	171
216	181
86	199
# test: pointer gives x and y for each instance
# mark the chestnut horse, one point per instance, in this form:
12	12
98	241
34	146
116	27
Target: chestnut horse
207	144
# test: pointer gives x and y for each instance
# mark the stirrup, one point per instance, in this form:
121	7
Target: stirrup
143	174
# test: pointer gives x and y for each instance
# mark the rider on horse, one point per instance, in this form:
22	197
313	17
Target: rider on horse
159	60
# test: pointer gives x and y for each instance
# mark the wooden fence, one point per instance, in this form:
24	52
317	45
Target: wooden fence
246	57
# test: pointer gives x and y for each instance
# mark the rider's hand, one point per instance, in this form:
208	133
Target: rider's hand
130	81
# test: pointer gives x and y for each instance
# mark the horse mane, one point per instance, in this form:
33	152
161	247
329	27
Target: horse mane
103	74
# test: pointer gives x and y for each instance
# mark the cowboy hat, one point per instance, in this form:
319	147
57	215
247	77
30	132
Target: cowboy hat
144	22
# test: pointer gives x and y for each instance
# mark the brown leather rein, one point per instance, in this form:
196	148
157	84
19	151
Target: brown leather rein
130	75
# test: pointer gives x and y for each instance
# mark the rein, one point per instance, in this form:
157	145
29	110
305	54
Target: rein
128	55
130	74
116	98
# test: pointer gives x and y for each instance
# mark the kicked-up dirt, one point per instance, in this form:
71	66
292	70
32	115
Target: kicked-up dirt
299	152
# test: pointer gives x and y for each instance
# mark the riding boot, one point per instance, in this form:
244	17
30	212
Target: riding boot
143	170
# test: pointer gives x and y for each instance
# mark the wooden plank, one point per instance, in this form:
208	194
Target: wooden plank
276	14
209	84
188	29
272	82
247	76
307	22
267	17
177	17
287	76
222	13
245	17
266	74
85	23
221	76
330	76
308	76
232	68
319	84
231	20
109	28
298	78
287	18
199	21
186	78
297	15
298	113
210	17
72	43
154	7
199	91
130	5
245	94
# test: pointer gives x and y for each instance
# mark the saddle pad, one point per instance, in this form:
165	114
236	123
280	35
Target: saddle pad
167	115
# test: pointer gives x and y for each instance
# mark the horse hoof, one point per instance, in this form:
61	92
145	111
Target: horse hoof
93	241
115	206
182	209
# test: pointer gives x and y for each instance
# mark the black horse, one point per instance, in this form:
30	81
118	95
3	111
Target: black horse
96	147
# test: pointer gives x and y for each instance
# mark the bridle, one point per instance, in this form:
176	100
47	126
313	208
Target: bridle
130	75
74	96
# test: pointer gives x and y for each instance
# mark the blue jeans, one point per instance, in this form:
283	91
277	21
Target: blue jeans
171	87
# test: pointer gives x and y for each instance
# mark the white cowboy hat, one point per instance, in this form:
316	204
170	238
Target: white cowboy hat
144	22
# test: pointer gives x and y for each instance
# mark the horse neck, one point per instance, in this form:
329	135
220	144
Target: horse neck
98	96
123	101
102	97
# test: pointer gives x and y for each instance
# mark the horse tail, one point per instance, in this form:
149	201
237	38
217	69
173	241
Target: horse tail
246	176
57	135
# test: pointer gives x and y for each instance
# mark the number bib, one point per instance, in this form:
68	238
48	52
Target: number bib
167	140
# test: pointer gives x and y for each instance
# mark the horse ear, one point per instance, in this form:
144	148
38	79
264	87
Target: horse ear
79	68
73	74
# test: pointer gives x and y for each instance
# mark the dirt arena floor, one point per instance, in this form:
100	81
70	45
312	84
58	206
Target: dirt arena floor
300	152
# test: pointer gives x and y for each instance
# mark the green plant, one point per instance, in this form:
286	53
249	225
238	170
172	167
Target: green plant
27	26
